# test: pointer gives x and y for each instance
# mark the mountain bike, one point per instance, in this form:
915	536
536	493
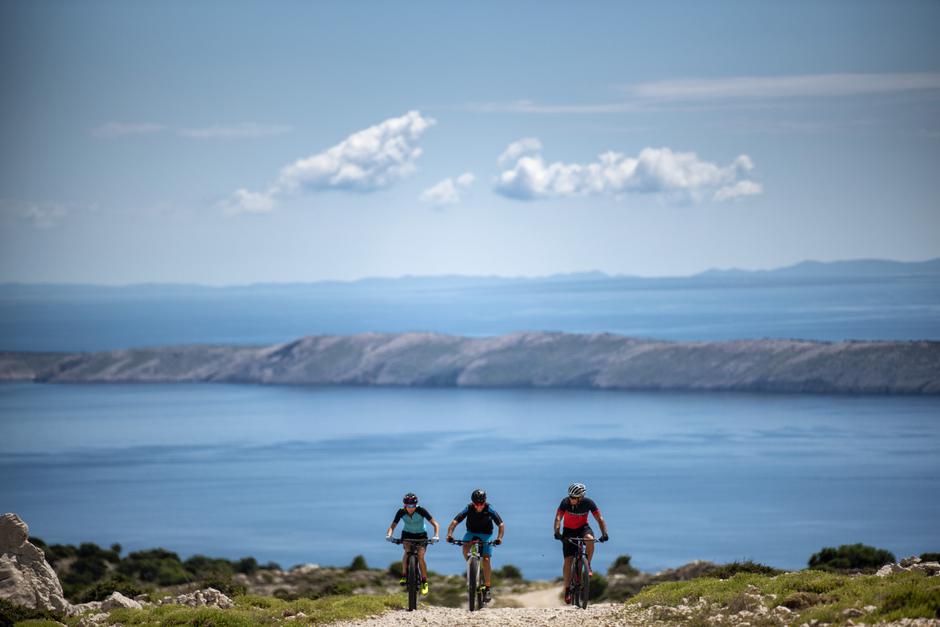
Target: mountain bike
413	571
579	581
475	585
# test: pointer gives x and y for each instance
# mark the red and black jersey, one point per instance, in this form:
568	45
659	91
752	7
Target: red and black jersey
576	516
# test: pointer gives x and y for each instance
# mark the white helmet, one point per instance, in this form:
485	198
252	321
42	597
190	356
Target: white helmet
576	489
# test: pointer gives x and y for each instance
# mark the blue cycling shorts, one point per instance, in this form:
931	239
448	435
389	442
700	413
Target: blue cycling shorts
485	549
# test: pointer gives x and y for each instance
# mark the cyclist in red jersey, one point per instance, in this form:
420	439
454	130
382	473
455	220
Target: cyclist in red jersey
574	512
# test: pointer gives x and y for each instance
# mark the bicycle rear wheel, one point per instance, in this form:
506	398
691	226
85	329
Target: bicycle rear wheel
412	583
473	571
585	592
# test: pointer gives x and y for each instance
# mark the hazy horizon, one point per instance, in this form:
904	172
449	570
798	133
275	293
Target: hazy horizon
573	274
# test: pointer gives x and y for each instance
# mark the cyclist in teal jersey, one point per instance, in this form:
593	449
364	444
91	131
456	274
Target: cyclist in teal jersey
414	518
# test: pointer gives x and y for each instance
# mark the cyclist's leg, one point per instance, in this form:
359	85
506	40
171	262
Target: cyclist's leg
404	559
467	537
487	551
421	563
567	571
588	534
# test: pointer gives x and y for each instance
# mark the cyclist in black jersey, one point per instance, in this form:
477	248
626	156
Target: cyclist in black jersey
480	518
573	511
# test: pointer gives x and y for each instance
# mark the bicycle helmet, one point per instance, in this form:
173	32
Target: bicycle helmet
410	499
478	496
576	490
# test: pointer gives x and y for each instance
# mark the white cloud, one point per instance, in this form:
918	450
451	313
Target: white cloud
244	201
245	130
448	191
773	87
121	129
524	146
675	176
366	161
698	93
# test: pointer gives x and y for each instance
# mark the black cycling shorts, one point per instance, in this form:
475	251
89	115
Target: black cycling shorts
568	549
407	535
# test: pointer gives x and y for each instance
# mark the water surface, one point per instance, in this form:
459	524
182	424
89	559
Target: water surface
297	474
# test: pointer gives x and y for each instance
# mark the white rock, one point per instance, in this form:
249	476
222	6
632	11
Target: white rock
26	578
117	600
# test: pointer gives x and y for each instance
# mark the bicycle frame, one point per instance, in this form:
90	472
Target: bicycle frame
475	596
412	571
579	581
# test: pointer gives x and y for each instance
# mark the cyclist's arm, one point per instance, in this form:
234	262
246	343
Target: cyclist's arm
450	529
558	516
391	528
437	528
600	521
502	530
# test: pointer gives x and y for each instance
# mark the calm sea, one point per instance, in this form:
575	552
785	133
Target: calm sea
315	474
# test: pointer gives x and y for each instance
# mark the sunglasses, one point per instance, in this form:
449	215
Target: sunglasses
410	505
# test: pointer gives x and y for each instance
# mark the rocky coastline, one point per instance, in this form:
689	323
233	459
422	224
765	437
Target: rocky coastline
520	360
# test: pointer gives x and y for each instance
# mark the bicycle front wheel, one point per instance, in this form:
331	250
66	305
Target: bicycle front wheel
473	572
412	583
585	592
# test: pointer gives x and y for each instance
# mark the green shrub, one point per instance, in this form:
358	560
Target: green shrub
509	571
103	589
394	569
155	566
622	566
11	614
598	586
57	552
930	557
726	571
225	585
850	557
247	565
358	563
202	567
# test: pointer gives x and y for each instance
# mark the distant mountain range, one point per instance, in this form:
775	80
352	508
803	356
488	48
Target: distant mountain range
539	360
856	269
863	300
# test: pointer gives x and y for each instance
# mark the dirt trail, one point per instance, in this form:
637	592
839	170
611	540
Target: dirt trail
543	597
604	615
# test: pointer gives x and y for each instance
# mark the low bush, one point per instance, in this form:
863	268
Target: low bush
114	583
930	557
622	566
598	586
850	557
11	614
726	571
358	563
509	571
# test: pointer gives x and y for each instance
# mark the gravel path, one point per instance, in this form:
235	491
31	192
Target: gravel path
544	597
604	615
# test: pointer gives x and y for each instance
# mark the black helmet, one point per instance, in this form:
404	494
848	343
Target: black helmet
478	496
410	499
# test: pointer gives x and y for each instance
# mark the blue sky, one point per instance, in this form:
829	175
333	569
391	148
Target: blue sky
238	142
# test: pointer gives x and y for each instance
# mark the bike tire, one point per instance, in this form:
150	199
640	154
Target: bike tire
473	571
412	583
574	586
585	592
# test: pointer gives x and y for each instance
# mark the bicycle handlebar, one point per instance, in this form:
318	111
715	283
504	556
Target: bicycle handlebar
425	541
575	540
474	541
